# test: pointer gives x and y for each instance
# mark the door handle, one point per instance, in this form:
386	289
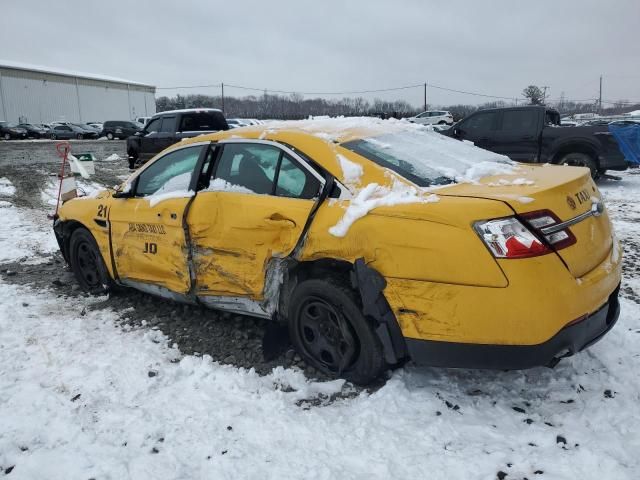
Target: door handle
279	220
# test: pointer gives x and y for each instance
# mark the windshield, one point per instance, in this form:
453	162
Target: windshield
424	157
10	124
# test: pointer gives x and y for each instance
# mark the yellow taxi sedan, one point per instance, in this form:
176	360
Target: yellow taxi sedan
376	242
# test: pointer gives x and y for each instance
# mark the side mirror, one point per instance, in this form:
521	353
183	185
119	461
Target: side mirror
118	194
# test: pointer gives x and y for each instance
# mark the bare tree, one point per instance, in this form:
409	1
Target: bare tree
534	94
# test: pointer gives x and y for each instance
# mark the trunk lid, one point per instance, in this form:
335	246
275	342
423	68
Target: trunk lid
567	192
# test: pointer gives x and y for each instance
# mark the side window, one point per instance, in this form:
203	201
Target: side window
168	125
518	121
480	122
170	173
154	125
251	166
296	182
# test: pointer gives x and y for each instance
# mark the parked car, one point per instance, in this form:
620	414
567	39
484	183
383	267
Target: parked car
468	275
142	120
89	128
432	117
69	131
33	130
9	130
166	128
236	123
97	125
533	134
120	129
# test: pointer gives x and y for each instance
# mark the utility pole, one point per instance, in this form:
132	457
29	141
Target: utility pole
222	85
425	97
600	98
544	95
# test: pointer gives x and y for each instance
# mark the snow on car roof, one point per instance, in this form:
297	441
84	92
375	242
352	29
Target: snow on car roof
67	73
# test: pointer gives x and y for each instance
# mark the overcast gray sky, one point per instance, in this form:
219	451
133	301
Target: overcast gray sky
492	47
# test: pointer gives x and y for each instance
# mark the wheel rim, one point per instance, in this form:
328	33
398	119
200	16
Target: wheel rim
7	136
326	335
87	263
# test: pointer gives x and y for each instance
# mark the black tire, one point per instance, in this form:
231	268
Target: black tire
87	264
581	160
53	136
110	136
442	122
79	136
7	136
328	329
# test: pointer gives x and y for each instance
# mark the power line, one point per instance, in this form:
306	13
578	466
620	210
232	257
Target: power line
380	90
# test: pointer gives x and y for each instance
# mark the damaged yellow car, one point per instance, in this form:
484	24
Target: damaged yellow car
376	242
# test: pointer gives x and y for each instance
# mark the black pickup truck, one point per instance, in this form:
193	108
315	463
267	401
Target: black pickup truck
533	134
166	128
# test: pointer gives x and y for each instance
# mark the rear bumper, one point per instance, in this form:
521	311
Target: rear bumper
568	341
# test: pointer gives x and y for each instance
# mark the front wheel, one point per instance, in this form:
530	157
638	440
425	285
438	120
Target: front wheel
7	136
327	327
87	264
110	136
581	160
53	136
79	136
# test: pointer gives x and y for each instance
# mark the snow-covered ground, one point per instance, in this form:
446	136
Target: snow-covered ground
83	398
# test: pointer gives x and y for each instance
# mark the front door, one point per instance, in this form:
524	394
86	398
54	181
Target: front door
479	128
252	210
147	230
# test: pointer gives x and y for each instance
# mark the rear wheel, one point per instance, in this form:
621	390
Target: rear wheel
110	136
79	136
7	136
328	329
581	160
53	136
442	122
87	264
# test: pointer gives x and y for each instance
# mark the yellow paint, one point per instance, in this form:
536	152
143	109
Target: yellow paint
443	284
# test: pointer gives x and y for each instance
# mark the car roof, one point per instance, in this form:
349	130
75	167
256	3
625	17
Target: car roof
188	110
317	138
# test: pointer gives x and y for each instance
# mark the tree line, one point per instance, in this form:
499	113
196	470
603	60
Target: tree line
296	107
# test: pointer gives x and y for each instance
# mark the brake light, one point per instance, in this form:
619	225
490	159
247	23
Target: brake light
509	238
546	218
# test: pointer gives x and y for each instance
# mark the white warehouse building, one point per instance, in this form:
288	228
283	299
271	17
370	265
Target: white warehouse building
33	94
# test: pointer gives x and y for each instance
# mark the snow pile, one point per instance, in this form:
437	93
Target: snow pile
504	182
23	234
112	157
221	185
374	196
351	171
6	187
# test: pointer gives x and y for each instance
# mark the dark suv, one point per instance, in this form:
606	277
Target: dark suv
120	129
166	128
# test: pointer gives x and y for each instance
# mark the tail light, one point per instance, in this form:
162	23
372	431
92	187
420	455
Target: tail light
509	238
545	218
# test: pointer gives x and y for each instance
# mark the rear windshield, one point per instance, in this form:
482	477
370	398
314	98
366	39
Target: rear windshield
203	122
423	157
